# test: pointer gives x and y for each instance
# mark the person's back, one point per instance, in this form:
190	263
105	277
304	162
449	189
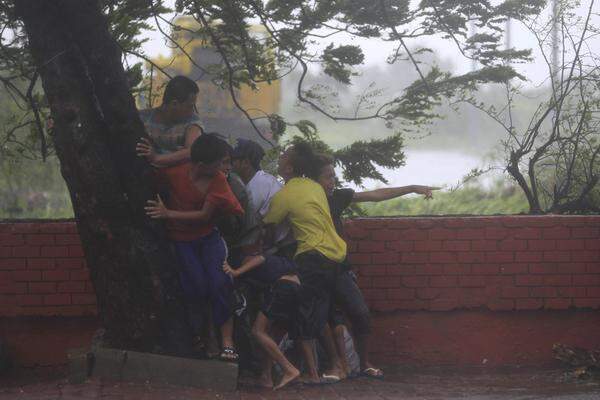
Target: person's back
303	203
262	187
184	195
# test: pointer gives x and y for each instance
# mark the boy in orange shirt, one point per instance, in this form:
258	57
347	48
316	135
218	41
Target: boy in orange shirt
198	192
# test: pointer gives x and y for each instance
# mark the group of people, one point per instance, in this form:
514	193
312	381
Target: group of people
230	221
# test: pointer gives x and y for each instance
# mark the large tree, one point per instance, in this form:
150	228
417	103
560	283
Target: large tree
75	47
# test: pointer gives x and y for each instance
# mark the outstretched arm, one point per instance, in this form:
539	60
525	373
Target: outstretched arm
249	264
392	193
156	209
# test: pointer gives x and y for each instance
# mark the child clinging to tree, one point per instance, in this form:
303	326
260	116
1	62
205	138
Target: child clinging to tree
198	192
280	307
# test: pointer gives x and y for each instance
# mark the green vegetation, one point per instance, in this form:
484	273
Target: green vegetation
33	189
473	199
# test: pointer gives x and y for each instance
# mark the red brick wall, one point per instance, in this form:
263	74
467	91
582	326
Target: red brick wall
434	264
493	263
441	289
42	271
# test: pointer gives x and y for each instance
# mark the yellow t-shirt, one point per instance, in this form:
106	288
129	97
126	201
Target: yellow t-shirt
303	203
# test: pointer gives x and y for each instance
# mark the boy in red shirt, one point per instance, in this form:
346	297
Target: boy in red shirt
199	192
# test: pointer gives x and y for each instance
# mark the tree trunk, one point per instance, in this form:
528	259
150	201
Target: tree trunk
96	128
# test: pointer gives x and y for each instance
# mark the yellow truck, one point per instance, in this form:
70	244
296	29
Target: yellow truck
189	55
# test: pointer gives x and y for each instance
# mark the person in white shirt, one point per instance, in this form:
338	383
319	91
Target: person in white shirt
260	185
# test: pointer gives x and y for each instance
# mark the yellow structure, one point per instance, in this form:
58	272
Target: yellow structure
189	56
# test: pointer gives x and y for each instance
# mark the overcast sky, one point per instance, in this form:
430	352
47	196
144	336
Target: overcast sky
376	51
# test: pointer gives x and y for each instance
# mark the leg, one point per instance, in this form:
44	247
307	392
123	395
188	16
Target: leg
194	284
335	371
317	280
266	376
312	374
260	333
350	298
213	255
227	333
340	344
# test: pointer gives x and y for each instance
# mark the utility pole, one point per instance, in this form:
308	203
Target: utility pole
472	114
555	40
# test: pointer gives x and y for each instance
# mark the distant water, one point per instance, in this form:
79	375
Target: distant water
433	168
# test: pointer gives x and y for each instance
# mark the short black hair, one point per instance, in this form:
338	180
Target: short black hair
209	148
322	161
249	150
304	160
179	88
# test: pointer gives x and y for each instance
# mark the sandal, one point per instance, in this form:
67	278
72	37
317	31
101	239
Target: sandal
229	354
328	379
373	373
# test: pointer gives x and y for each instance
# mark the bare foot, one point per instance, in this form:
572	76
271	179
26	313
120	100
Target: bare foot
287	378
309	380
265	381
346	370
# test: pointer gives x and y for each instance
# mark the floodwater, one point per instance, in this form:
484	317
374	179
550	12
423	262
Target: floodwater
442	383
432	168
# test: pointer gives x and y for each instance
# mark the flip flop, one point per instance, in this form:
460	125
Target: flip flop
229	354
373	373
329	379
320	383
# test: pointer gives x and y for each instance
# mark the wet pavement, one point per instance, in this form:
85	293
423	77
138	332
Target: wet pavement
443	383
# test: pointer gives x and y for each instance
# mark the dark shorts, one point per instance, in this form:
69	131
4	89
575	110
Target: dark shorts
349	302
318	275
281	305
326	284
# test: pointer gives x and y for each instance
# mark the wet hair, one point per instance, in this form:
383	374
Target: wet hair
209	148
304	160
179	88
249	150
322	161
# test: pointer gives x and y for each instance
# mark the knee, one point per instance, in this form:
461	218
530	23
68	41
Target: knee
257	332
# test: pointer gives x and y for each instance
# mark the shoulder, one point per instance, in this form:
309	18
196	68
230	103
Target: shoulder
219	180
341	198
265	181
194	121
236	184
343	193
195	118
266	177
303	187
307	184
179	170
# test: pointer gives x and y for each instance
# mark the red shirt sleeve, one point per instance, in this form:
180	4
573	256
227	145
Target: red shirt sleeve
222	197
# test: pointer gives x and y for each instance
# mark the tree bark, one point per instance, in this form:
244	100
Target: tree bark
96	127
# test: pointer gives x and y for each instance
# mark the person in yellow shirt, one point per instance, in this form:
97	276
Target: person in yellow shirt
303	203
